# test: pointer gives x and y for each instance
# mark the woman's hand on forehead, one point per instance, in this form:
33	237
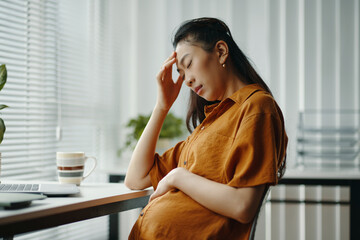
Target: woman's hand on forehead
168	90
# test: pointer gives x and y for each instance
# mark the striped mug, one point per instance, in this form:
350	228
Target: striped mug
70	167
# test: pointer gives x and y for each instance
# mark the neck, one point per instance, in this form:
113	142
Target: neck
234	83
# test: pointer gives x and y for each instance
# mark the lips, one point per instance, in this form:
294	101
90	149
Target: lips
198	88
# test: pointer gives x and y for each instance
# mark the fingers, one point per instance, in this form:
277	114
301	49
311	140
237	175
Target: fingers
172	55
169	63
179	81
152	196
166	69
155	195
160	74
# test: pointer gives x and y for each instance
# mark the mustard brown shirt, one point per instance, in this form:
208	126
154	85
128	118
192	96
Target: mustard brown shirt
241	143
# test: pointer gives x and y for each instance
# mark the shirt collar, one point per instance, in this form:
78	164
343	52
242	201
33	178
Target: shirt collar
239	96
245	92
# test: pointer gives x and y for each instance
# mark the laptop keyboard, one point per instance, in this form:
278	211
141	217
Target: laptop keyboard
19	187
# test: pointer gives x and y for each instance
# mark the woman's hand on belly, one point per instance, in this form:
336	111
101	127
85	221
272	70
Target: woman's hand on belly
240	204
166	184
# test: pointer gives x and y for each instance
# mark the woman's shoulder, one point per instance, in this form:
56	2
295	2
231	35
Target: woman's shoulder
260	102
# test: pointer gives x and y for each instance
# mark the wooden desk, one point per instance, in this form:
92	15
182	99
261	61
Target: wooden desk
94	200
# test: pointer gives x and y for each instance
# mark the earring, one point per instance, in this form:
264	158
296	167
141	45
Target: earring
223	65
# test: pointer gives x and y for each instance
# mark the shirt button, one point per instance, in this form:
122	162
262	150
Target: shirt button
142	214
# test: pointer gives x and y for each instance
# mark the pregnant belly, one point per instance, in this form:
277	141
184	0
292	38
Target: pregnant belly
175	214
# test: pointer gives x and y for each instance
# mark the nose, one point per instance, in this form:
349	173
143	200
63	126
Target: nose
189	81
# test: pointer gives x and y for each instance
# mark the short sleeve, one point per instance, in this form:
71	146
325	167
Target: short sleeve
255	153
165	163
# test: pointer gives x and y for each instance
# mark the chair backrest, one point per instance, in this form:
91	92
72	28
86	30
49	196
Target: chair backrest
263	200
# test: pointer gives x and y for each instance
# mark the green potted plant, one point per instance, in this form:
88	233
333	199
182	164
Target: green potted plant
173	127
3	77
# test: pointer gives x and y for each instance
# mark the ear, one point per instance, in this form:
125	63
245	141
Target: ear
222	51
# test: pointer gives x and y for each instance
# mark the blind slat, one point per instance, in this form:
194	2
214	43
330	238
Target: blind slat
16	5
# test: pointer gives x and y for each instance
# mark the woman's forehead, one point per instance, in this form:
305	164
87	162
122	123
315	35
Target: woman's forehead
184	48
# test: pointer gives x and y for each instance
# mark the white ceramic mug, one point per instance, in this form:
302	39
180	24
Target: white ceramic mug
70	166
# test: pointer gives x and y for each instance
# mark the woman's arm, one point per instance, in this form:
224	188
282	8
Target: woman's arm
137	175
240	204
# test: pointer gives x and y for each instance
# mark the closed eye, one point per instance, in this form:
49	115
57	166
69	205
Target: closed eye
189	64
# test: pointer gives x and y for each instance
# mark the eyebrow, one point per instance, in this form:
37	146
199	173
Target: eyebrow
182	60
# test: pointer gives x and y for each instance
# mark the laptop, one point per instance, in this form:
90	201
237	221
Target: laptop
48	189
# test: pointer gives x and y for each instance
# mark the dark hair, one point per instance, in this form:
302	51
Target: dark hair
207	32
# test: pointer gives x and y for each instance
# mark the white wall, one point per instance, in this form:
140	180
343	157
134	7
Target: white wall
306	50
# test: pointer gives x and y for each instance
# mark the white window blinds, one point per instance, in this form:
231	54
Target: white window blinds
61	93
28	48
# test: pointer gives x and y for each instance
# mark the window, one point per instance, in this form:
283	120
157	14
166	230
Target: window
60	90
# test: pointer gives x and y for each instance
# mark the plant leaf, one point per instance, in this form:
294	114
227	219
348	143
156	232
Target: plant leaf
3	76
2	106
2	129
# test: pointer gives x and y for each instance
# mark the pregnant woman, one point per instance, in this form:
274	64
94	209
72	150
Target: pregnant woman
209	186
